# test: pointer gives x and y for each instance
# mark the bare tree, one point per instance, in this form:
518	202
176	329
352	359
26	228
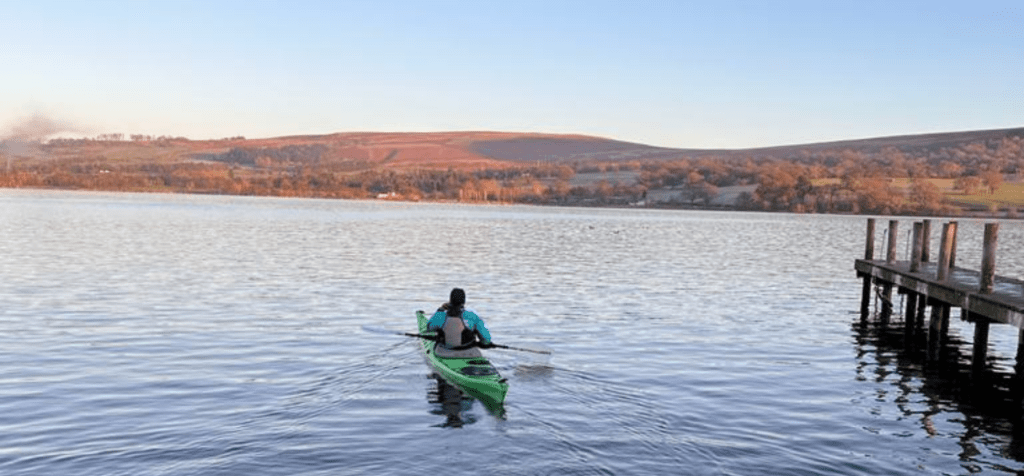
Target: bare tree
968	184
992	179
925	196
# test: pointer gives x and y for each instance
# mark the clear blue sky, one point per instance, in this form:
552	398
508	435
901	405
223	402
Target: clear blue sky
703	74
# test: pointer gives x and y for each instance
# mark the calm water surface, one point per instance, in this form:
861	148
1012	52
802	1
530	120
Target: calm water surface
196	335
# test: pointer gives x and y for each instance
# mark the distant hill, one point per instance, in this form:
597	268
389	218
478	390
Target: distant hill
474	149
963	171
458	150
917	144
557	149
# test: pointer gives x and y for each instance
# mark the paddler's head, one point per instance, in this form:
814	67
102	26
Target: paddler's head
457	299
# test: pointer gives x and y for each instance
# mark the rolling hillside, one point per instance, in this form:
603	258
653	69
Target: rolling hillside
948	173
457	150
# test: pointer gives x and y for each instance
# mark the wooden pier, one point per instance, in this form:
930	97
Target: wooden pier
983	297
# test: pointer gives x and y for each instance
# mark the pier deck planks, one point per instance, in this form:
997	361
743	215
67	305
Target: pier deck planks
961	289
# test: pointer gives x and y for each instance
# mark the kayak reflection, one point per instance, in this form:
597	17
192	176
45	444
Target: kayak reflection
450	402
456	405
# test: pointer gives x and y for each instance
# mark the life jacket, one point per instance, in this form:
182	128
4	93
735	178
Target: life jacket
455	333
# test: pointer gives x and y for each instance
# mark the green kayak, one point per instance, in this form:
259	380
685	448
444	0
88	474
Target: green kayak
474	376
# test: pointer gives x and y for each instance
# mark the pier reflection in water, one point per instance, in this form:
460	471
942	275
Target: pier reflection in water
947	395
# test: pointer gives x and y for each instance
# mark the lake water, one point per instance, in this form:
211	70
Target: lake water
209	335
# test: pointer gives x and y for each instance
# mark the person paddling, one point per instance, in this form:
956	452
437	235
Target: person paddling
459	330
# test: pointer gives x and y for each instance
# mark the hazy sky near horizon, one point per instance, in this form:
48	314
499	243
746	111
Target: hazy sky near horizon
676	73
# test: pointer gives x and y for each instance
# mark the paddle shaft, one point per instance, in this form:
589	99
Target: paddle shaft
421	336
520	348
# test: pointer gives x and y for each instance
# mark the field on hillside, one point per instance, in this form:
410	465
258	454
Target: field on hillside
1009	195
591	179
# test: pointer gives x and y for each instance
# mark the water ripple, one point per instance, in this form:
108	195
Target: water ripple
179	335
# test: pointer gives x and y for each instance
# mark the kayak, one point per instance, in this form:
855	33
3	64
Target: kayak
474	376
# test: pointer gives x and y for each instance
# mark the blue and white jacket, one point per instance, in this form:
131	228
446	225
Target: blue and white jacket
473	323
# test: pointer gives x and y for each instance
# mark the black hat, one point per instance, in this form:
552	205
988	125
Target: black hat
457	298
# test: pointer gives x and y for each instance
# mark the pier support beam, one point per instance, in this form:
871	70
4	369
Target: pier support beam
947	251
952	250
938	328
918	248
986	286
910	322
910	318
980	354
1018	378
922	304
988	258
890	250
926	231
922	299
890	258
869	254
1019	366
886	313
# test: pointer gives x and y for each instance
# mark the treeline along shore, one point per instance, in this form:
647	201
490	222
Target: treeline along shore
937	174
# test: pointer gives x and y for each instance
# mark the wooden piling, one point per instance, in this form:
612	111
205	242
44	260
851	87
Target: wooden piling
938	329
1018	375
988	258
869	254
922	304
938	325
890	251
869	247
926	230
1019	367
946	251
952	248
985	286
980	354
910	318
910	322
886	313
890	258
943	329
917	248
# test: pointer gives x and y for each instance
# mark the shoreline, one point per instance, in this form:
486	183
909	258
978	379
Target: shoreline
967	214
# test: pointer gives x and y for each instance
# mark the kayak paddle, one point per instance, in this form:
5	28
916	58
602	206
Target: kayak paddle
421	336
548	352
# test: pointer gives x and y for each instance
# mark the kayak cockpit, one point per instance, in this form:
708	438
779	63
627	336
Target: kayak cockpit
470	353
